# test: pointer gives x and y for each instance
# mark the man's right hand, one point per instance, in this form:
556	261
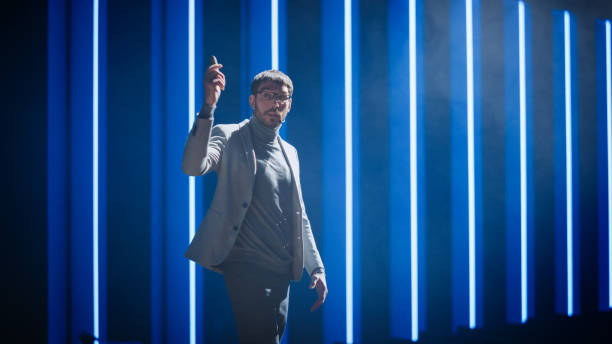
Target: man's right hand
214	83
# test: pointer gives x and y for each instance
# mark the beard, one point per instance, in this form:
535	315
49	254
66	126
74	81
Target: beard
271	118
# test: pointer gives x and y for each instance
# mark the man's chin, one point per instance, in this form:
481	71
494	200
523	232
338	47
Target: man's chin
270	120
273	120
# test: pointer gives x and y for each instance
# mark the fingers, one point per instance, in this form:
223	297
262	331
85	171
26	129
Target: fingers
214	83
219	82
319	301
315	279
321	292
214	69
316	305
214	76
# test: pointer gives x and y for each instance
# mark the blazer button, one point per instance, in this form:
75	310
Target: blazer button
235	228
245	204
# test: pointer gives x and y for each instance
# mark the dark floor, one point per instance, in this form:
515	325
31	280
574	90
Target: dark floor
587	328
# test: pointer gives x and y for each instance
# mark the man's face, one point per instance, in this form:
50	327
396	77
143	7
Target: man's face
271	104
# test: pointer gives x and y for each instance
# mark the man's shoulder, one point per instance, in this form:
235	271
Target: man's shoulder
228	129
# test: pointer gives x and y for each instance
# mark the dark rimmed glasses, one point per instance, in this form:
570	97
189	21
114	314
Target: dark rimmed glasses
270	97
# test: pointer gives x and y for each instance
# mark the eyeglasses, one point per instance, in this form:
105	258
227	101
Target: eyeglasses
270	97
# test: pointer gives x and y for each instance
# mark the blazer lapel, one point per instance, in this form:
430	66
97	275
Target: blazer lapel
247	144
293	165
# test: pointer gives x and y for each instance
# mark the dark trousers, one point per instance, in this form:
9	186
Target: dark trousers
260	300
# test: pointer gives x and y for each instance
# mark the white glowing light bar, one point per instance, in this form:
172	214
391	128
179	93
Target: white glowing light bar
348	151
471	193
523	157
192	296
274	34
568	162
413	173
96	268
609	143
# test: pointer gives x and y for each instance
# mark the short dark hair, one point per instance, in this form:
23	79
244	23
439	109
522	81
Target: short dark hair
274	75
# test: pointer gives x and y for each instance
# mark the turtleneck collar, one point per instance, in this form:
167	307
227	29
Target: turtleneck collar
261	131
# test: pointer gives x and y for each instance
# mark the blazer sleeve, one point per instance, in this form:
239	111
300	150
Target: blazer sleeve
204	148
312	258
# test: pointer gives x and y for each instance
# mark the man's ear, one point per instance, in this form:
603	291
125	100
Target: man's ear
252	101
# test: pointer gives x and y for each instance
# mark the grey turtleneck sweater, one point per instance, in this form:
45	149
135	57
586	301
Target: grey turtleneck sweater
264	237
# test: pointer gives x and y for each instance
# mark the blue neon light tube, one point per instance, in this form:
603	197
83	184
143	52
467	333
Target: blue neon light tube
470	138
348	144
523	159
609	154
568	161
413	173
96	269
192	277
274	32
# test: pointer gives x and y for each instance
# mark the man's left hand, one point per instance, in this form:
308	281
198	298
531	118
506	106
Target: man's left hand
318	281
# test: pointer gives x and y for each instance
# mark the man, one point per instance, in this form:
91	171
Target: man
256	231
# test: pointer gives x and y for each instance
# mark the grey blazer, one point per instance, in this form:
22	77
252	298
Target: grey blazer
228	150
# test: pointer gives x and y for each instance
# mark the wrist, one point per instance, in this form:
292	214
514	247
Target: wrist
207	111
318	270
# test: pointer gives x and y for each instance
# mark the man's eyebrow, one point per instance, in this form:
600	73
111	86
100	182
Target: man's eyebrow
271	90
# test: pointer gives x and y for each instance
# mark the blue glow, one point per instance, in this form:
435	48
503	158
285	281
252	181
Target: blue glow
96	286
470	137
157	242
568	161
413	173
348	151
192	296
274	37
523	158
609	151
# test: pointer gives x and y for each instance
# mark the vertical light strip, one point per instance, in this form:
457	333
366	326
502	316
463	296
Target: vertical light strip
96	272
413	173
523	150
274	34
348	149
470	138
609	143
568	162
192	296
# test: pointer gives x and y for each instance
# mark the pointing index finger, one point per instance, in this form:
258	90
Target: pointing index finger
215	66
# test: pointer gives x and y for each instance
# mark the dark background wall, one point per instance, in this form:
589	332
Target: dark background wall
23	176
23	192
129	180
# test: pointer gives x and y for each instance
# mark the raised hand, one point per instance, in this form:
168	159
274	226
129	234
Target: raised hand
214	83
